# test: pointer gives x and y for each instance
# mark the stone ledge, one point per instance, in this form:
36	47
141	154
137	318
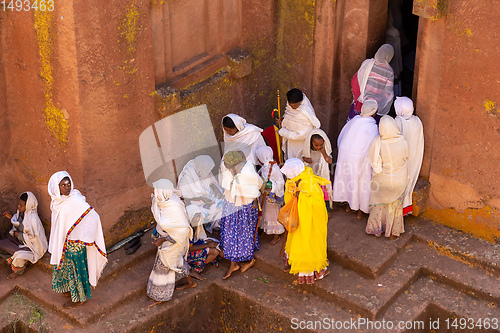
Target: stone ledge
167	100
420	196
430	9
240	63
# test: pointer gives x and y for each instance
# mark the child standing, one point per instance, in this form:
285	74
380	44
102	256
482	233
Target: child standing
270	172
317	154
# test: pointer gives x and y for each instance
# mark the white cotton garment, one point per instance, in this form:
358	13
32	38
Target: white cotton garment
296	124
412	130
66	210
33	233
319	165
353	173
265	156
248	138
388	156
242	188
171	218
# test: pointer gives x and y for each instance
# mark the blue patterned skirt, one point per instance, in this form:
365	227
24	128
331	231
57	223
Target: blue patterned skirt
237	229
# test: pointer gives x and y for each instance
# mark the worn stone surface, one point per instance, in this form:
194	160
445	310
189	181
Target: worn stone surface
431	272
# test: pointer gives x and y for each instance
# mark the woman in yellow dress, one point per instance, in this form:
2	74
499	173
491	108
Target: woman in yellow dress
306	246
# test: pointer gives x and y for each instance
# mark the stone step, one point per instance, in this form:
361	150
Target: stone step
371	297
107	296
435	306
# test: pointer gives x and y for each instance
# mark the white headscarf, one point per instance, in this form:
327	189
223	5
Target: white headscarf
33	232
369	108
196	178
384	54
195	216
403	107
323	170
66	211
203	165
172	220
265	156
292	168
247	139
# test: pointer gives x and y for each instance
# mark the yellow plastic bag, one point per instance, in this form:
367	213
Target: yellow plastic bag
289	215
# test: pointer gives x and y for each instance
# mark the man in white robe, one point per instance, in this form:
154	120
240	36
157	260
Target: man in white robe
299	119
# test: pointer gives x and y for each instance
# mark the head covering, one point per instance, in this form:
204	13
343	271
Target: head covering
403	107
388	128
384	54
238	121
53	188
196	220
163	190
369	108
233	157
293	167
264	154
247	139
203	165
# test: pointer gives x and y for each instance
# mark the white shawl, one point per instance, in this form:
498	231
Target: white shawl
171	218
296	124
265	156
248	138
33	232
411	128
66	211
246	184
196	178
353	174
388	157
195	216
321	167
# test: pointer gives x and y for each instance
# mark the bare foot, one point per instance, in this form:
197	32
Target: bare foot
72	305
150	303
348	209
232	268
188	286
247	265
12	276
275	240
393	237
360	214
323	276
67	294
287	269
196	275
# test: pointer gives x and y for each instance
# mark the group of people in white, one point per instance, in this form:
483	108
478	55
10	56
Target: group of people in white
377	166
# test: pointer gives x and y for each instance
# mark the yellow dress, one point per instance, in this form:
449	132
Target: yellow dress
306	246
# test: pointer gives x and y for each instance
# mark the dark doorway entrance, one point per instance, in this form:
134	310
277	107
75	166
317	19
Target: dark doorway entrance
402	21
